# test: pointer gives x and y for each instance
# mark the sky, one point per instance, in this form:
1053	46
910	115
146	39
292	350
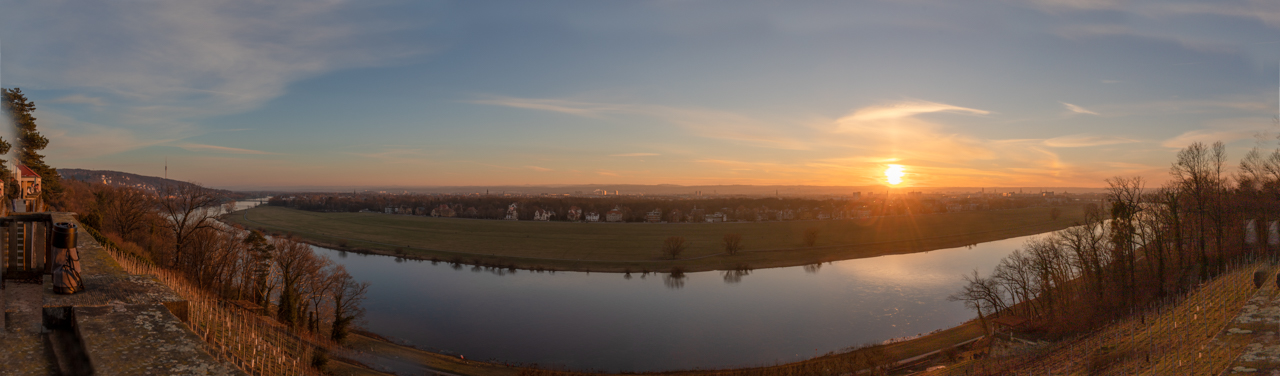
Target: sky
257	94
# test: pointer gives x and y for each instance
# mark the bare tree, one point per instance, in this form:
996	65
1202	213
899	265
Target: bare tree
347	295
127	211
295	262
1125	194
187	208
810	236
673	246
732	243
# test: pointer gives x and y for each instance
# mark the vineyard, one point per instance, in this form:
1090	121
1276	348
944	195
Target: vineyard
255	344
1183	335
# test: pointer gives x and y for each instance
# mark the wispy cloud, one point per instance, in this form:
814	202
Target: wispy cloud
701	122
555	105
1082	140
538	169
81	99
164	65
1225	130
221	149
902	110
634	155
1078	109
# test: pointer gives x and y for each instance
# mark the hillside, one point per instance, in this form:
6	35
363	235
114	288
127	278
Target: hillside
124	179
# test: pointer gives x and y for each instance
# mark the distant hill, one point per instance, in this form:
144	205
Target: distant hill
124	179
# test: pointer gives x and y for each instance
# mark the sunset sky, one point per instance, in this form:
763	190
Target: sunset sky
347	93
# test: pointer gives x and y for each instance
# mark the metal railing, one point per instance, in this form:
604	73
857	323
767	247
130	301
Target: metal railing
25	247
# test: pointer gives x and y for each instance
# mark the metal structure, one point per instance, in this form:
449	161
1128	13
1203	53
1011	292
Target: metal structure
25	248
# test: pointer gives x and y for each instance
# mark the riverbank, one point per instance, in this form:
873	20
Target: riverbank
635	247
382	355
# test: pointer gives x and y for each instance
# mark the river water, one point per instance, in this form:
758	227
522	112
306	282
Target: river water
605	321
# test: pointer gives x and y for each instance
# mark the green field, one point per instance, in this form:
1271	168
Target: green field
635	247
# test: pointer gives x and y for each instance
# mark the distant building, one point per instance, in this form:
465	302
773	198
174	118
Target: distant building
675	216
444	211
512	213
715	217
697	215
543	215
593	217
574	214
614	215
654	216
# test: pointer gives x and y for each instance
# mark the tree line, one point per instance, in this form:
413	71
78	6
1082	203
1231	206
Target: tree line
177	228
634	209
1142	244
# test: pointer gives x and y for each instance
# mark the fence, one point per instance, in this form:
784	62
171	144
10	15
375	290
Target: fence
255	344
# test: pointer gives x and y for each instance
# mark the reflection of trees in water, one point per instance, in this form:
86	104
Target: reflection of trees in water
812	268
627	275
675	279
734	276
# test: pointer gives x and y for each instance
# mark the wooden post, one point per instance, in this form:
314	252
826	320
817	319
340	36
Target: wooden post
28	229
13	244
40	251
48	247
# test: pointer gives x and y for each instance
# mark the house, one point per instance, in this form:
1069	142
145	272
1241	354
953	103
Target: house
543	215
614	215
574	213
512	213
593	217
675	216
697	215
444	211
389	210
715	217
654	216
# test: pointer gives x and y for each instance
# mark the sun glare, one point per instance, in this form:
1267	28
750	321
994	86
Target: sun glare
894	174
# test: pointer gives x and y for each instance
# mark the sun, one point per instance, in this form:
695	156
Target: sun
894	174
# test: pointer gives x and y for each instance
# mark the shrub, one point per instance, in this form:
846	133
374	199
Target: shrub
673	246
732	243
810	236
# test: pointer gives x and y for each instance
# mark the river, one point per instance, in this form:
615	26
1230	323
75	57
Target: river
609	322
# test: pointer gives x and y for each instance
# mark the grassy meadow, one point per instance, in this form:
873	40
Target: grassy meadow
636	247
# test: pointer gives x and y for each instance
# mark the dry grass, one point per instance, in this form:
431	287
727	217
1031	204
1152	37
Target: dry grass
1179	337
614	247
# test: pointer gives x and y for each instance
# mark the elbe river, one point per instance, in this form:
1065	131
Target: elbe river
609	322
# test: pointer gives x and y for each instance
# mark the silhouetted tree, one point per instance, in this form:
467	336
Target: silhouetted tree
347	295
732	243
673	246
810	236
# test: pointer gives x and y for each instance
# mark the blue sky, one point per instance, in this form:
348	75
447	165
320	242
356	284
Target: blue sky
348	93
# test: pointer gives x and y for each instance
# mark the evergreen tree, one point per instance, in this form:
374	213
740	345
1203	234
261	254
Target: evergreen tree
15	105
30	142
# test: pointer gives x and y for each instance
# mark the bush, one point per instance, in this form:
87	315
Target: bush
732	243
810	236
673	246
